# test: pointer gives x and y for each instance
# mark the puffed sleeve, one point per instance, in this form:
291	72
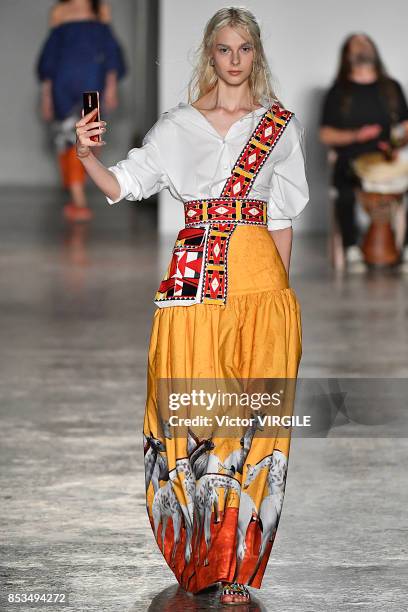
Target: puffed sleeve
47	59
142	173
289	192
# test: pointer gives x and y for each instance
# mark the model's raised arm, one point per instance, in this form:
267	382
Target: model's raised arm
101	176
139	176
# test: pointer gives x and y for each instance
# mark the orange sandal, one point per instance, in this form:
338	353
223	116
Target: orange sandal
77	213
234	593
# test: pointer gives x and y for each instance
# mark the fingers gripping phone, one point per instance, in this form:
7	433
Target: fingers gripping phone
90	103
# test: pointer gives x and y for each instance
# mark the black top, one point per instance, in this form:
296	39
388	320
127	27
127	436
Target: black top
367	105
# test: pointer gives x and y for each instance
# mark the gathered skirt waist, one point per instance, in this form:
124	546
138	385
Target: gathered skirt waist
254	262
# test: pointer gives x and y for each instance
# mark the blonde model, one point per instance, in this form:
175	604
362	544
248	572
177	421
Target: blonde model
233	157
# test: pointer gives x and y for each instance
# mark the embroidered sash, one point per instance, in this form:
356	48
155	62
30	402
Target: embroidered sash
197	272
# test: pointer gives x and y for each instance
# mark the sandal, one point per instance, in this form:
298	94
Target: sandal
77	213
234	593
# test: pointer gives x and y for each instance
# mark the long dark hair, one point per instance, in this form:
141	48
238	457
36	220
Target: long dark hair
95	6
387	86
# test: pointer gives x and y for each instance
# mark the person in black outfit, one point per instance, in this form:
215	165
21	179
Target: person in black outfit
359	111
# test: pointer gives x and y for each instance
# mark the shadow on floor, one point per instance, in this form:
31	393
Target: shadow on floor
175	598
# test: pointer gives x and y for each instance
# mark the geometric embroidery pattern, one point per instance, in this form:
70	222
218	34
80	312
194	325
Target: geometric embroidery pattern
263	140
183	273
226	209
205	250
237	208
215	277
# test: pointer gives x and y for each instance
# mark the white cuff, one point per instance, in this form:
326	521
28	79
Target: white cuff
119	178
277	224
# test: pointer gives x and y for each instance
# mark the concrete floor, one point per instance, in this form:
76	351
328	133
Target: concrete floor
76	308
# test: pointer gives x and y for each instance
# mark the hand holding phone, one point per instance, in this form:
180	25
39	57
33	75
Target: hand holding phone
91	103
90	127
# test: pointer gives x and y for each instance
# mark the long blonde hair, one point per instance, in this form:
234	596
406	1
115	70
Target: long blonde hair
204	78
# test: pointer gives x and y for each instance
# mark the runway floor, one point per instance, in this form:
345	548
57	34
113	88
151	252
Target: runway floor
76	307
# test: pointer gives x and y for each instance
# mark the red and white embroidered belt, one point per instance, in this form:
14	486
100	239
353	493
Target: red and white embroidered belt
198	268
197	273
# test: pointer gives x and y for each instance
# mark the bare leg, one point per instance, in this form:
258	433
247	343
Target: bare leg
74	177
78	196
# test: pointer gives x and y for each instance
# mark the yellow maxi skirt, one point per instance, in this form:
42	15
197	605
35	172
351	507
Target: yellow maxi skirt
220	525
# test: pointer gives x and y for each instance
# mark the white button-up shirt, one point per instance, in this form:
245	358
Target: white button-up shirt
184	153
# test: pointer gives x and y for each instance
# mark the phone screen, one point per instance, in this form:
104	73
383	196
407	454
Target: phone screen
90	102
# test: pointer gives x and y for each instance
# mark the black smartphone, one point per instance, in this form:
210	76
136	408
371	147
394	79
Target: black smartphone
90	102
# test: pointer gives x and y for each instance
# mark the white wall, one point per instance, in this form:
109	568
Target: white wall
302	41
25	155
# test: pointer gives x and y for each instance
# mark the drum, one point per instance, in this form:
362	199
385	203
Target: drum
383	185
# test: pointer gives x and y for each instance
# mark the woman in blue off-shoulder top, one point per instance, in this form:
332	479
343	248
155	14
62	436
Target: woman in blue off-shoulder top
80	54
